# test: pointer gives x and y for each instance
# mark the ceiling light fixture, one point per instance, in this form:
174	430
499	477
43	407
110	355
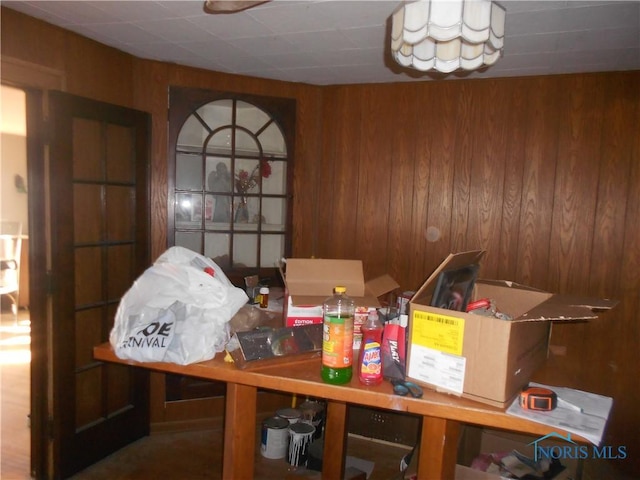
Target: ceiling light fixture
447	35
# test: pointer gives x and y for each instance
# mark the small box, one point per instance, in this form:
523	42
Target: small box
495	441
269	346
480	357
393	427
476	442
309	282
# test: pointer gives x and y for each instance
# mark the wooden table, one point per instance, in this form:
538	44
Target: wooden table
442	414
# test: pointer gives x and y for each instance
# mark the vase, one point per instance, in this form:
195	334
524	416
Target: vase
242	211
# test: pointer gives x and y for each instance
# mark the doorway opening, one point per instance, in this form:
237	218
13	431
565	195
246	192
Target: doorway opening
15	325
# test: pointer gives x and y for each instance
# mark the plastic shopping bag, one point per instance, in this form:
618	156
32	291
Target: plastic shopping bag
176	311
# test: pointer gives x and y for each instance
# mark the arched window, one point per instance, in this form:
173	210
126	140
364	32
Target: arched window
231	171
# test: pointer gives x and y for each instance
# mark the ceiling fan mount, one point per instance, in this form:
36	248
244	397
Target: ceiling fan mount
230	6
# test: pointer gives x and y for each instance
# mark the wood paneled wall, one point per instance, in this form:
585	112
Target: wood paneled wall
542	172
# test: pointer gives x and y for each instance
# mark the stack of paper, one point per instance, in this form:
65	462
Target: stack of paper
578	412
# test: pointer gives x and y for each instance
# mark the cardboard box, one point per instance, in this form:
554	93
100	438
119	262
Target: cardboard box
386	425
466	473
309	281
496	441
477	441
485	358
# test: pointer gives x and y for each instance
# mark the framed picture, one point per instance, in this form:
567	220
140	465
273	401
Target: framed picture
454	288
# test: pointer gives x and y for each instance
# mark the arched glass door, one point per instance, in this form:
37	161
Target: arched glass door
229	180
230	198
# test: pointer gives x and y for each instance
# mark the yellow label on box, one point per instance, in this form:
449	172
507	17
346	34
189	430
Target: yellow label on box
439	332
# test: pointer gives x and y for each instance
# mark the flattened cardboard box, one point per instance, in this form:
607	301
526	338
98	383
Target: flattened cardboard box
310	281
485	358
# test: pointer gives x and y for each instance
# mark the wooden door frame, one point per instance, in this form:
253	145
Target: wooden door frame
35	80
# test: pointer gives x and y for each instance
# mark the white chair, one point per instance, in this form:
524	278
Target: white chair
10	248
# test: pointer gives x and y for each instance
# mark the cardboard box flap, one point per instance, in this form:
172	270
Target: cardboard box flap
376	287
310	276
510	284
510	298
568	308
452	262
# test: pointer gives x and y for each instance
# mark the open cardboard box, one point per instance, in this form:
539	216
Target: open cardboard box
485	358
477	441
310	281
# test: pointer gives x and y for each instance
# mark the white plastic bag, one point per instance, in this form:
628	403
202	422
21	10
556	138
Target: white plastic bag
175	311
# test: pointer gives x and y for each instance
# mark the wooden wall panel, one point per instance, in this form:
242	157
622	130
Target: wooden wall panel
342	222
576	185
461	160
337	192
516	122
434	174
45	45
373	216
334	109
487	165
406	169
540	172
623	336
608	252
536	197
574	205
98	72
615	182
306	173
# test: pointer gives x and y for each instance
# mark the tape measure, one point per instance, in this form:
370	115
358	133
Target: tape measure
537	398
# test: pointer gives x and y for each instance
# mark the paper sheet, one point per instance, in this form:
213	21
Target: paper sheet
589	423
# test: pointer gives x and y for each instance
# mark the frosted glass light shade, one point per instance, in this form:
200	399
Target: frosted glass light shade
447	35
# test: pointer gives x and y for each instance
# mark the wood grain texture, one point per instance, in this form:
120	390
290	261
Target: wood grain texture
538	171
516	115
150	93
434	173
539	160
333	463
404	172
309	117
438	448
337	199
373	218
239	441
463	160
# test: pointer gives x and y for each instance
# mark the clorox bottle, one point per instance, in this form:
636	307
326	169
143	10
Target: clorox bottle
337	337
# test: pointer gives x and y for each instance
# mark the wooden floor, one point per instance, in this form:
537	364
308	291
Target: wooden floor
198	455
186	455
15	357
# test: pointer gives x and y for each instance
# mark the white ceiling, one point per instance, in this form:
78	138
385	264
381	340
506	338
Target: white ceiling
328	42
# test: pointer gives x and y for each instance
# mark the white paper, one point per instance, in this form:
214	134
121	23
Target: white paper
589	423
443	370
